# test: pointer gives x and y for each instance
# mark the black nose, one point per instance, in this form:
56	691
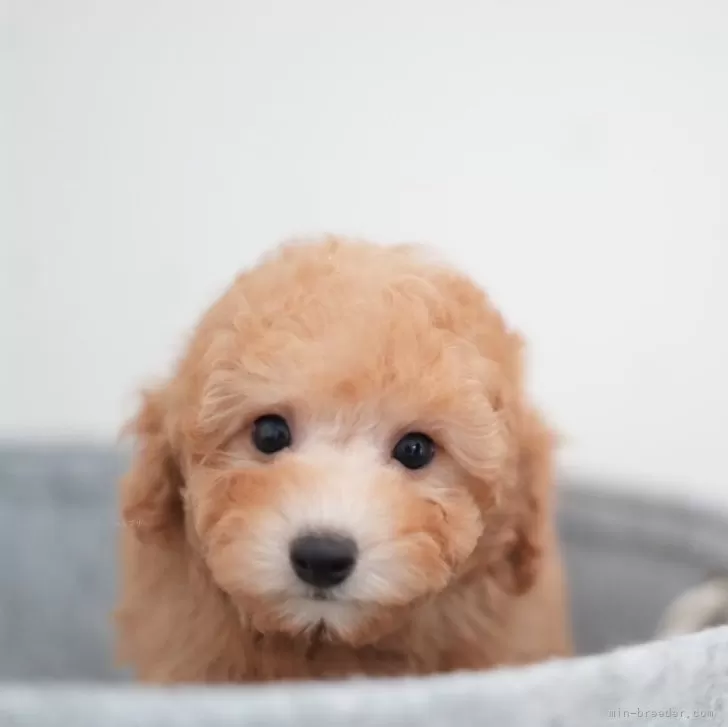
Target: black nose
323	560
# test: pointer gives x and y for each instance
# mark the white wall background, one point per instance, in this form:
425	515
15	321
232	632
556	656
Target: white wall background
572	154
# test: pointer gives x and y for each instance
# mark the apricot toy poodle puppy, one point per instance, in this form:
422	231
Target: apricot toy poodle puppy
342	476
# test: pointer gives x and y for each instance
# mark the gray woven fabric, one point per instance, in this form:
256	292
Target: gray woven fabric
683	681
627	558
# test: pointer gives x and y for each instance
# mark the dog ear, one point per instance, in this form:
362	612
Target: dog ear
531	508
151	491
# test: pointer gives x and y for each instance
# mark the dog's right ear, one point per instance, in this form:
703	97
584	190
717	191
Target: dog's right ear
151	492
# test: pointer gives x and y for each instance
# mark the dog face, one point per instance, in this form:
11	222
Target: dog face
341	431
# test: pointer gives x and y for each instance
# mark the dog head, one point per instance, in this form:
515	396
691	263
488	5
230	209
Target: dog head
344	438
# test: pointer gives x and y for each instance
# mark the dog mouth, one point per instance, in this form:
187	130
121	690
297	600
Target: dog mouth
320	594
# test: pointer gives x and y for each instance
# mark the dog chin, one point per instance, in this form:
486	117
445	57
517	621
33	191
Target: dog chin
329	619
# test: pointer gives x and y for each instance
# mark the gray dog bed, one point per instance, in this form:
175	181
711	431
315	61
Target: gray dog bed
627	559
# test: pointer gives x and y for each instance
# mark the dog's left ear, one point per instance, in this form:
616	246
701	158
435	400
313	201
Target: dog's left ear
530	506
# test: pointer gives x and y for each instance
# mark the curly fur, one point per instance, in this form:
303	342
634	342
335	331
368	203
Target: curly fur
355	344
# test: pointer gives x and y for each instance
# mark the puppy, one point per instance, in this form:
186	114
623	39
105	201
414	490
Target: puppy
342	476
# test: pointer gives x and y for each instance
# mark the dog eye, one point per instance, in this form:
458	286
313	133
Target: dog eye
414	451
271	434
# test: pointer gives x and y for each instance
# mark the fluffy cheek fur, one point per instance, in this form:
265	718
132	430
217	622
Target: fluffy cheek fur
414	531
